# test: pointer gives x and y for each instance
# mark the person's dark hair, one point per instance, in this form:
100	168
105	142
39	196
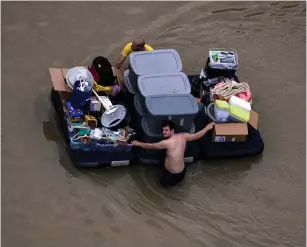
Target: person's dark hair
104	69
139	41
168	123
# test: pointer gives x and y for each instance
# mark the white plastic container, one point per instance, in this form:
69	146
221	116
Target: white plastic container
234	100
238	114
222	58
221	110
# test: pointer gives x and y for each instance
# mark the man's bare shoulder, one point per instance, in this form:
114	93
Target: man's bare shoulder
181	135
178	137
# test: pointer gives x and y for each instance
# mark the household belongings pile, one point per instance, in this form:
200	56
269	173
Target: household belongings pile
230	101
94	123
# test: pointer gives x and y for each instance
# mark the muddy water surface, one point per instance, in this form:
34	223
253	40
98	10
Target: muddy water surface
251	202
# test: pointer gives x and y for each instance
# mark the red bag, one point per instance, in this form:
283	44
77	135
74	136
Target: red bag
247	96
92	69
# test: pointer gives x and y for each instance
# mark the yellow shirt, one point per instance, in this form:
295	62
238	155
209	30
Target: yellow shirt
128	49
99	88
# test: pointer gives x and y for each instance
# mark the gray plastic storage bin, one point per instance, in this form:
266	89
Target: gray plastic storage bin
153	129
164	83
139	104
152	62
179	108
131	87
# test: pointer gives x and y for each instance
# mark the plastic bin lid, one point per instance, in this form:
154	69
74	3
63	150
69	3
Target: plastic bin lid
222	104
171	105
164	83
156	61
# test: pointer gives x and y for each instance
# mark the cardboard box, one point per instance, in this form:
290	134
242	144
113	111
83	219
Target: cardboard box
58	79
59	84
234	132
253	121
230	132
58	76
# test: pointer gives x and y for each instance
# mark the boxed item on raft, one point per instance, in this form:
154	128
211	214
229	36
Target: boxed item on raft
234	132
230	132
222	62
59	84
91	121
74	115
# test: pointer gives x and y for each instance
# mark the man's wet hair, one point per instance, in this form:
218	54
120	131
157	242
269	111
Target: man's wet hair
168	123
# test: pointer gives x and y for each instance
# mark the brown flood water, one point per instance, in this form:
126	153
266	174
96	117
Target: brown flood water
248	202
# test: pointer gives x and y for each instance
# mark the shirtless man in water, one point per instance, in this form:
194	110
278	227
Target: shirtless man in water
175	145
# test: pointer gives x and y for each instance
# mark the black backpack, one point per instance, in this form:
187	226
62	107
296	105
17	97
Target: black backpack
102	72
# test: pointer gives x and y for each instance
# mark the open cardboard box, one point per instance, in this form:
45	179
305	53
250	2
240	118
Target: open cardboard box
58	76
234	132
59	84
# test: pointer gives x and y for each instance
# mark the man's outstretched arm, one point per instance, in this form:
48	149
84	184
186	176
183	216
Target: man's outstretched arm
124	54
121	61
199	134
157	145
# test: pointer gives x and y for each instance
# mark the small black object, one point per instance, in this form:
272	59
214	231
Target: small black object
102	71
212	73
226	53
227	60
212	81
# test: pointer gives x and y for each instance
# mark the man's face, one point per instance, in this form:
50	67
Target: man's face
167	132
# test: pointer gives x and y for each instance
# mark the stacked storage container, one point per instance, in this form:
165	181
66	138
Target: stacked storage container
161	91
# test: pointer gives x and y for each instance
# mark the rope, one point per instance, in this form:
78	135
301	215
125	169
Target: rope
230	88
115	136
118	136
